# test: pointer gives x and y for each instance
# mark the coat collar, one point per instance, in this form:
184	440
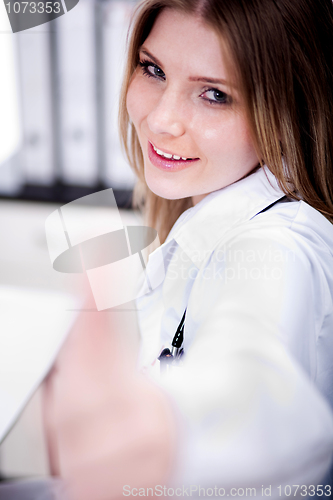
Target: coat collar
205	224
200	228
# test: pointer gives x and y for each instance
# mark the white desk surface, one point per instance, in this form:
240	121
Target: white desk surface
27	279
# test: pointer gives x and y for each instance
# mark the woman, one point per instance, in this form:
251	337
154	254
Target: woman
226	116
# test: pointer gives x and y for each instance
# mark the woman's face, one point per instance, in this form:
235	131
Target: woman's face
187	112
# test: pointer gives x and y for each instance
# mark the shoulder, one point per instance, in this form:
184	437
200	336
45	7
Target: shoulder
292	226
301	219
274	272
284	252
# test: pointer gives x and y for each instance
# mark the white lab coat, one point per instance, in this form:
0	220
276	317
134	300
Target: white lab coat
254	395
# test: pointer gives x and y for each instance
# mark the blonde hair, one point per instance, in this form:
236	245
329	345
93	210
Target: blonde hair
282	51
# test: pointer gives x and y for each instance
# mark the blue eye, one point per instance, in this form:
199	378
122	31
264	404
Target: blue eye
158	72
151	69
216	96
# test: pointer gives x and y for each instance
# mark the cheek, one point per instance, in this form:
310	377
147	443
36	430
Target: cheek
137	101
228	135
212	134
246	142
132	103
141	99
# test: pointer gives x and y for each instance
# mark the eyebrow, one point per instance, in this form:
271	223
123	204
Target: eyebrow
209	80
205	79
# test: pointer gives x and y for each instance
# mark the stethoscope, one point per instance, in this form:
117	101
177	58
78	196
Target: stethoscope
171	358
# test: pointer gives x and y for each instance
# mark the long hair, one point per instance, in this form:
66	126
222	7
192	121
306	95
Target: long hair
282	52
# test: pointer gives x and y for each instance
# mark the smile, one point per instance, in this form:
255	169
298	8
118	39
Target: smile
169	156
167	161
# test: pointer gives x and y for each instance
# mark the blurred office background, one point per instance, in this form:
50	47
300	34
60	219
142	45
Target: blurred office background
59	90
68	75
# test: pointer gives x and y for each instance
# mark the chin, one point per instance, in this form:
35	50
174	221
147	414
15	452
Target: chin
168	190
163	192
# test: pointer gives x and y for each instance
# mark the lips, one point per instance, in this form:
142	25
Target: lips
169	155
173	163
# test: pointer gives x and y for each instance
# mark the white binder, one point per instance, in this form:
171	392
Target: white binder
77	94
37	158
116	21
9	117
10	124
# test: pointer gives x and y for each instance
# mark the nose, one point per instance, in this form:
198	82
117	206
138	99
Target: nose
168	116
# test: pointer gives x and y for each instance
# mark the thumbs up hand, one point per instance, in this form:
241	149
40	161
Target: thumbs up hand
107	425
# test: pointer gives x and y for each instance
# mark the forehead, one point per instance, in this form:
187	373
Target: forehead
184	40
